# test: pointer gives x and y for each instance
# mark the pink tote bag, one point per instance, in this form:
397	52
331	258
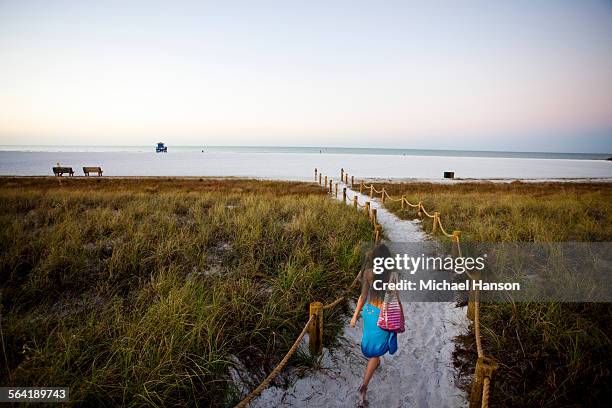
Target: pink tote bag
391	316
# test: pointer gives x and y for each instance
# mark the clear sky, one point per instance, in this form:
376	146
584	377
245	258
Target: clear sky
490	75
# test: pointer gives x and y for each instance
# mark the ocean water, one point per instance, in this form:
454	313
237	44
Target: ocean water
298	163
320	150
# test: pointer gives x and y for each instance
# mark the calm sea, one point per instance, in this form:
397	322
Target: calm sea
314	150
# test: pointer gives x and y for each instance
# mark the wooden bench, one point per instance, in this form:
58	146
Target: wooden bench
88	170
59	171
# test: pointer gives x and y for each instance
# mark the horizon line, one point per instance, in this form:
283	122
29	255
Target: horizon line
308	147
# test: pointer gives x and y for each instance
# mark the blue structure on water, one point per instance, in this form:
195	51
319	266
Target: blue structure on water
161	148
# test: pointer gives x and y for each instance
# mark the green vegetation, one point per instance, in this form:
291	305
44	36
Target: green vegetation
550	354
146	291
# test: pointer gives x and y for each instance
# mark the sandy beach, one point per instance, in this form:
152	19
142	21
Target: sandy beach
299	166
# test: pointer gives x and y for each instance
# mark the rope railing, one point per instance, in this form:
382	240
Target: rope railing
425	212
314	325
314	328
412	205
393	199
341	298
333	304
264	384
419	206
485	366
485	392
315	307
443	230
477	324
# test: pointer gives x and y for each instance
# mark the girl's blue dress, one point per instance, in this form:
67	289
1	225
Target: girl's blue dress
375	341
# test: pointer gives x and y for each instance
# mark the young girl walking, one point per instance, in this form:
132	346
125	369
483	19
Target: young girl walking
375	341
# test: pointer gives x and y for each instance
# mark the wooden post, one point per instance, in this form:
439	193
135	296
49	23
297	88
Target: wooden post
361	187
377	233
373	215
344	195
342	174
420	206
367	208
346	178
352	181
403	202
315	330
315	174
330	186
325	184
456	250
355	202
336	190
319	178
436	220
382	196
372	191
485	368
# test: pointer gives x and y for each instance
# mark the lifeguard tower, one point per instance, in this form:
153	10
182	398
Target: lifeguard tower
161	148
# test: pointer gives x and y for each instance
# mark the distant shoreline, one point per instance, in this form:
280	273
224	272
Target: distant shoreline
307	150
594	180
300	166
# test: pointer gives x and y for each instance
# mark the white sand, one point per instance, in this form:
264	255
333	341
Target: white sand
299	166
420	374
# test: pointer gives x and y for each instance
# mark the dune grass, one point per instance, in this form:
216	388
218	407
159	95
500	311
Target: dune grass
146	291
550	354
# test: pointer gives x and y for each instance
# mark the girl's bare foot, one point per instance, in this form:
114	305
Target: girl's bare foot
362	395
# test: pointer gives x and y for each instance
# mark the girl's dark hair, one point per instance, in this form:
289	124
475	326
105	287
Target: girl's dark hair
379	251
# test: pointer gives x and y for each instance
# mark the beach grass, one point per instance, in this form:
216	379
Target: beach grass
148	291
551	354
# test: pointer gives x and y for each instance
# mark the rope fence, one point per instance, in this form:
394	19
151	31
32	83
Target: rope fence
485	366
314	325
264	384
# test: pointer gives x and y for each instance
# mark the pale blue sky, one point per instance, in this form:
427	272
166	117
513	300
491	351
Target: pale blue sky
517	75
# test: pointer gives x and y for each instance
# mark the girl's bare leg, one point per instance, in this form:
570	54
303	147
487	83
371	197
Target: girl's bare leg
373	364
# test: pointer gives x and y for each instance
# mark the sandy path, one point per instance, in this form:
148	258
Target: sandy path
420	374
